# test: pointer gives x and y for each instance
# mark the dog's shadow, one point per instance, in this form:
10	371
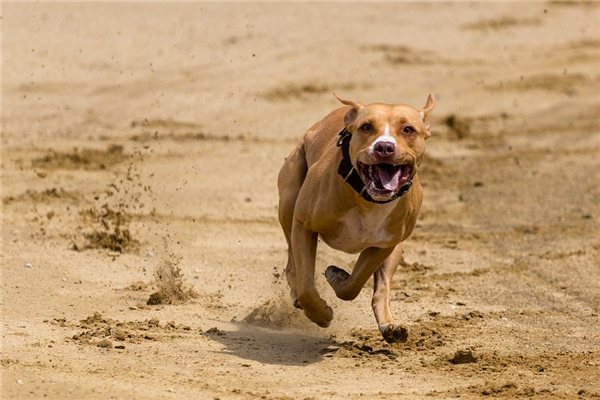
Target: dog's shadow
269	346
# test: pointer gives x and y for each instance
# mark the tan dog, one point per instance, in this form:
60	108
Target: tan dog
352	180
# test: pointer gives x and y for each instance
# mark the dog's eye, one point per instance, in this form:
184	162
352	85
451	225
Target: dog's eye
409	130
366	128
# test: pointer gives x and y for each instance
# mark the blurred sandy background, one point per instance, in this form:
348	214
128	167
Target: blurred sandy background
144	137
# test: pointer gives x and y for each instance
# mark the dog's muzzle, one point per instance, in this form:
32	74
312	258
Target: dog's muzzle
385	181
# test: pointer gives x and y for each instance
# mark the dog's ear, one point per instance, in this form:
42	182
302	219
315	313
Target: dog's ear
427	109
353	112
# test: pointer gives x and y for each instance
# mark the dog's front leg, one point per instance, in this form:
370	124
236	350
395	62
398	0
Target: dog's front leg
381	263
304	250
391	331
348	286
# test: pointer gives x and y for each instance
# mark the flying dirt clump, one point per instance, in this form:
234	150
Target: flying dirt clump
274	313
110	231
171	288
277	311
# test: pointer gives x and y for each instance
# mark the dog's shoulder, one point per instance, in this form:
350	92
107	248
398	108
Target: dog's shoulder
327	129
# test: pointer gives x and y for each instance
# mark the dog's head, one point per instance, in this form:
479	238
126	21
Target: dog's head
388	143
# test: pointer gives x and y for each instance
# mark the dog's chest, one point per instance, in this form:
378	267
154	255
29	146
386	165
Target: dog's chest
357	231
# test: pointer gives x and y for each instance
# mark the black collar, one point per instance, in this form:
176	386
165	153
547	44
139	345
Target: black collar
352	177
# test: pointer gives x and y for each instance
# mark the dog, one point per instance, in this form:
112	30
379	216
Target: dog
353	182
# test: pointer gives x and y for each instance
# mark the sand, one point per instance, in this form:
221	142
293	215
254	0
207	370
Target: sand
140	148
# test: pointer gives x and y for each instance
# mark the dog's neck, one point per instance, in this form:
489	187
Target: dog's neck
352	177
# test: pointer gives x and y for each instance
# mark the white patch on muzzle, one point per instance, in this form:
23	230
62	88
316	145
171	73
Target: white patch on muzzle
386	138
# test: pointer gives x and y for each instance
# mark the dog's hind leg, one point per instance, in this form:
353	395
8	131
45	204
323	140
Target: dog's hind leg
292	175
391	331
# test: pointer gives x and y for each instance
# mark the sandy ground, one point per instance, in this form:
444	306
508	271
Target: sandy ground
147	137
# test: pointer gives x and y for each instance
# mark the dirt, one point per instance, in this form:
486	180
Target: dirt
140	147
170	286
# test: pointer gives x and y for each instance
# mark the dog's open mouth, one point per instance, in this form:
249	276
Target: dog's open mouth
384	179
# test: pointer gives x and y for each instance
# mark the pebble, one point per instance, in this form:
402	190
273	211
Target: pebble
27	265
105	343
20	382
463	357
119	334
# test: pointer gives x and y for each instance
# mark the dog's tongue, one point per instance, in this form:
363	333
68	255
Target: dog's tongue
388	178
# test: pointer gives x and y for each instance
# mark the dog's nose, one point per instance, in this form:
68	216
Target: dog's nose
385	148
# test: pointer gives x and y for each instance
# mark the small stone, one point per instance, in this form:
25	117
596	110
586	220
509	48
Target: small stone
156	299
105	343
463	357
27	265
215	331
119	335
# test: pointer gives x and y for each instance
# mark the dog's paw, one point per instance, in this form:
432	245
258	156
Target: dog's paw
336	276
394	333
323	319
318	312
